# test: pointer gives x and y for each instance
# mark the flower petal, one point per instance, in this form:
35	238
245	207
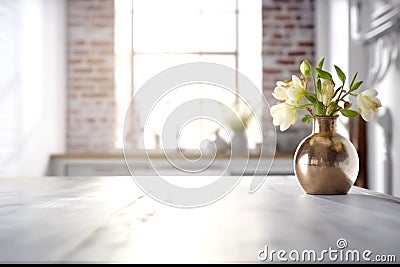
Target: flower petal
368	103
370	92
280	94
296	80
281	84
283	115
367	115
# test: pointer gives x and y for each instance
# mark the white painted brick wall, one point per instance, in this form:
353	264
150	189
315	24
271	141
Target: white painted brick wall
91	105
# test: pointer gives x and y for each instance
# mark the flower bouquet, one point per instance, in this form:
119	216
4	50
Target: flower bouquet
324	162
325	100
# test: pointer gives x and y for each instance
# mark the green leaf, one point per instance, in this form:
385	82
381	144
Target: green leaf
311	97
340	74
319	86
321	63
353	80
324	74
319	108
355	86
349	113
306	119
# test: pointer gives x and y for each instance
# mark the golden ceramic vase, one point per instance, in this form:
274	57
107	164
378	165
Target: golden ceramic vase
326	162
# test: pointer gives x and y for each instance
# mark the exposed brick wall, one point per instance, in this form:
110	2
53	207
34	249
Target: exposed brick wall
288	38
91	107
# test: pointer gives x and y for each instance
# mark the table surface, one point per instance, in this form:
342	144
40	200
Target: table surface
108	219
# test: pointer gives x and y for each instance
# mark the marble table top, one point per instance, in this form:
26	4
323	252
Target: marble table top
110	220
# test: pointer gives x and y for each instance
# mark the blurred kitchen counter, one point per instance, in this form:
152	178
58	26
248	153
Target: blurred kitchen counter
144	162
160	154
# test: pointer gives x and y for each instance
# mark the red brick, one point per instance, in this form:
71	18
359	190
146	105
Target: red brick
306	26
98	80
297	53
271	71
273	53
289	26
306	44
74	61
81	87
282	18
77	43
80	52
285	62
106	52
279	43
293	8
100	24
96	61
99	43
105	70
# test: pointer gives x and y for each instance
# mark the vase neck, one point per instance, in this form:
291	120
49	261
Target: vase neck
324	125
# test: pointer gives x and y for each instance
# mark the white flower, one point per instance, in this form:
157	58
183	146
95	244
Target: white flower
327	91
291	92
280	91
368	103
296	90
283	115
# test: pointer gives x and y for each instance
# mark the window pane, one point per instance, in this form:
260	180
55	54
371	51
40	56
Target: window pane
123	27
191	27
163	31
146	66
186	5
217	32
196	129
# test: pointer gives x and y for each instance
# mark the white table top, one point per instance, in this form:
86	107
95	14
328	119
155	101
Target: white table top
108	219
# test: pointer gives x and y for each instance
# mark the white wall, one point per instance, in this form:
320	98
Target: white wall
332	41
333	20
32	84
385	178
383	132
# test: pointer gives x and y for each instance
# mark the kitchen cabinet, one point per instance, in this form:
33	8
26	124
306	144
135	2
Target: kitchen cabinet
115	165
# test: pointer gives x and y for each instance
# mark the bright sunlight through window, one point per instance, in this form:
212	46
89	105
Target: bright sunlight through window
160	34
